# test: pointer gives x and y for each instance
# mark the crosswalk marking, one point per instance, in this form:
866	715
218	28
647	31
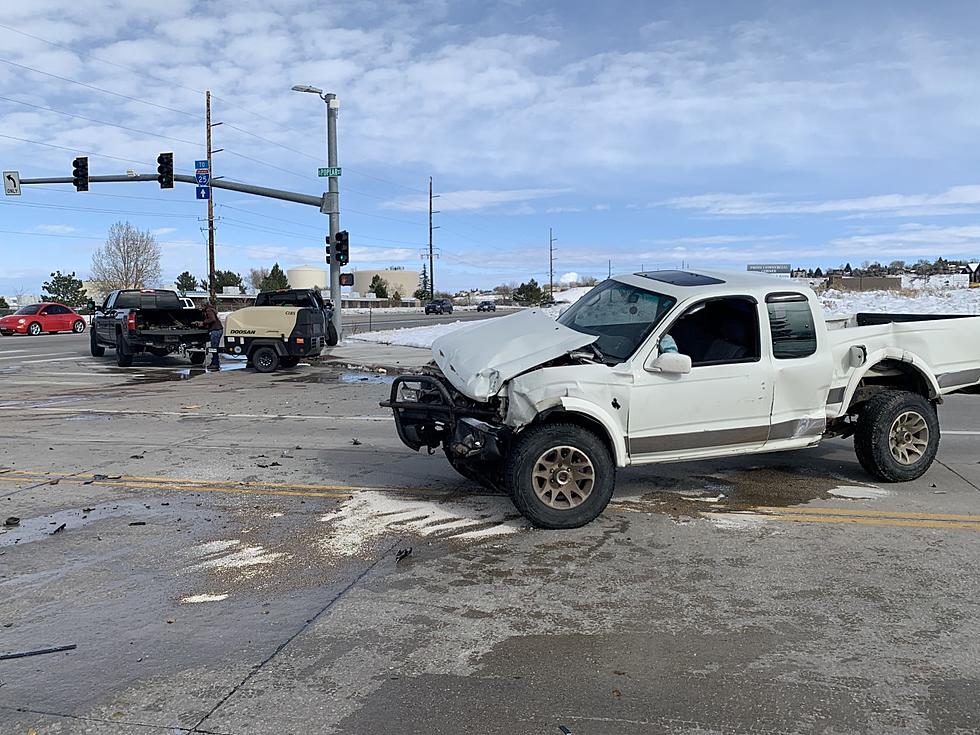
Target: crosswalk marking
53	354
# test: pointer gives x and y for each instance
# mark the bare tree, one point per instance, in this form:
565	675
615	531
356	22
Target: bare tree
257	276
130	258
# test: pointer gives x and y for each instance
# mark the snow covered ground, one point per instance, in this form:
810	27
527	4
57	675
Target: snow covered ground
835	304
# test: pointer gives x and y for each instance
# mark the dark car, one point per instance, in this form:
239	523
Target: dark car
486	306
439	306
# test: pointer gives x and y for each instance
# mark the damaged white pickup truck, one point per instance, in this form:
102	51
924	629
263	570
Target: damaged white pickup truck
672	365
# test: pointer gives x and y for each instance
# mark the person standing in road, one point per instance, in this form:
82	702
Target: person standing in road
213	324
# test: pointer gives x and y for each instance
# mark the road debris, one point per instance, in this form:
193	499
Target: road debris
403	554
138	523
37	652
59	529
356	442
12	521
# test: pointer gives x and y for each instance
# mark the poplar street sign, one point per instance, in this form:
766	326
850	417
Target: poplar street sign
333	171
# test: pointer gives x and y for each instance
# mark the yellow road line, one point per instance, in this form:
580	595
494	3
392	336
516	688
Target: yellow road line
805	518
328	491
862	513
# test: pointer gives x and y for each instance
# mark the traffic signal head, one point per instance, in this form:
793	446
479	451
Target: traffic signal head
346	279
342	247
165	170
328	247
79	173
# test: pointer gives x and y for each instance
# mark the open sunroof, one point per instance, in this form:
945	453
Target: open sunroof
681	278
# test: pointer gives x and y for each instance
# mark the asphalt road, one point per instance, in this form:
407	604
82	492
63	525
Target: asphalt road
229	563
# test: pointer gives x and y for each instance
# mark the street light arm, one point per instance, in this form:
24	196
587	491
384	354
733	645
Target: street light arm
307	88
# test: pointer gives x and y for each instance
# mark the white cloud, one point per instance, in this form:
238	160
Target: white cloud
55	229
955	200
570	277
161	231
471	200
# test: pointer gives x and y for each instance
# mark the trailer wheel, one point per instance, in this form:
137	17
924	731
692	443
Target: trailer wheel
559	475
265	359
197	358
897	436
123	358
96	349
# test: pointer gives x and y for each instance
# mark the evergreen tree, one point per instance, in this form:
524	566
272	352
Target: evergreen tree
379	286
422	292
65	289
222	279
529	294
818	273
276	279
185	282
3	303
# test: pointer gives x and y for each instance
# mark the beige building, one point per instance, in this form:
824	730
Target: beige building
404	282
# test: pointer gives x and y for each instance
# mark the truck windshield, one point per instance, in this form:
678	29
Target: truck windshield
622	316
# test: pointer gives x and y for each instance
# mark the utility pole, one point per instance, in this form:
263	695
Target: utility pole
333	105
610	270
432	280
212	281
551	264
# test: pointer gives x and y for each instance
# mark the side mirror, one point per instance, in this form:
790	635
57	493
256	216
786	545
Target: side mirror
669	362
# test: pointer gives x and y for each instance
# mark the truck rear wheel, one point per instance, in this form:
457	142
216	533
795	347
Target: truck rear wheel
96	349
897	436
197	358
265	359
559	475
123	358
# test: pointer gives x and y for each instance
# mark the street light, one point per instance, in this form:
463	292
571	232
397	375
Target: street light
333	196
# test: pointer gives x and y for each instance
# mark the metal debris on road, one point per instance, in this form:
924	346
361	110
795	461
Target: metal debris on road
403	554
12	521
37	652
59	529
356	442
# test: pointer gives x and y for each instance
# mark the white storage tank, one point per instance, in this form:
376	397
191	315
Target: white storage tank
308	276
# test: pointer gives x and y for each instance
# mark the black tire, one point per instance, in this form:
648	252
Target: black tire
197	358
34	329
79	326
123	358
331	335
288	362
536	443
886	448
96	349
265	359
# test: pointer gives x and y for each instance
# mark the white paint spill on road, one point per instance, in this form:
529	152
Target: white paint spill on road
857	492
234	554
736	521
202	598
370	515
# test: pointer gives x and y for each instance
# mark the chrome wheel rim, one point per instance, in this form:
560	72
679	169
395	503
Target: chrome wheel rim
79	326
563	477
265	360
908	438
34	329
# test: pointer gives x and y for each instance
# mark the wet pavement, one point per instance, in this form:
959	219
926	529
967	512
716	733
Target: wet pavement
245	553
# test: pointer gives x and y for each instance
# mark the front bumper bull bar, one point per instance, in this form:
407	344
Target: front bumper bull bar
433	419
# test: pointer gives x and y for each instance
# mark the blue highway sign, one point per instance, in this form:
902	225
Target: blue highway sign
204	192
202	164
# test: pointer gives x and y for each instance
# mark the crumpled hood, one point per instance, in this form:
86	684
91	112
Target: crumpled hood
479	359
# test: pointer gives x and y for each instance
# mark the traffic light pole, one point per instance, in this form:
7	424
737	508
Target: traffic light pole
333	202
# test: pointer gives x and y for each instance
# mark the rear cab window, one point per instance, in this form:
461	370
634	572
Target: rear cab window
791	324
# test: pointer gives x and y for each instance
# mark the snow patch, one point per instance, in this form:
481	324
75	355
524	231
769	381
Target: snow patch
233	554
856	492
191	599
411	336
370	514
736	521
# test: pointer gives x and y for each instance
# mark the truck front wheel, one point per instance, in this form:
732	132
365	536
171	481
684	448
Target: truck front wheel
331	335
559	475
897	436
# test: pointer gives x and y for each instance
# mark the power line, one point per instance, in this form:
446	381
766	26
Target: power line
48	190
101	122
272	142
65	207
99	89
75	150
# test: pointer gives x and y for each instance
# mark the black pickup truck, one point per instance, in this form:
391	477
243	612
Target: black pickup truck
308	298
154	321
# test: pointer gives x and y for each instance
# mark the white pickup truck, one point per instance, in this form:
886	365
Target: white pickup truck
667	366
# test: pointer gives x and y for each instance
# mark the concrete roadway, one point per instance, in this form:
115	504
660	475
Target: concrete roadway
229	563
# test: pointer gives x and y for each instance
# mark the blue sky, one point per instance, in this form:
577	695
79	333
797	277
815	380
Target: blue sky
644	133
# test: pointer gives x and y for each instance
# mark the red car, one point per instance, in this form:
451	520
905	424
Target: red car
37	318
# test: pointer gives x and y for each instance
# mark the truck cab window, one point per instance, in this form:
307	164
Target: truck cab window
794	334
718	332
